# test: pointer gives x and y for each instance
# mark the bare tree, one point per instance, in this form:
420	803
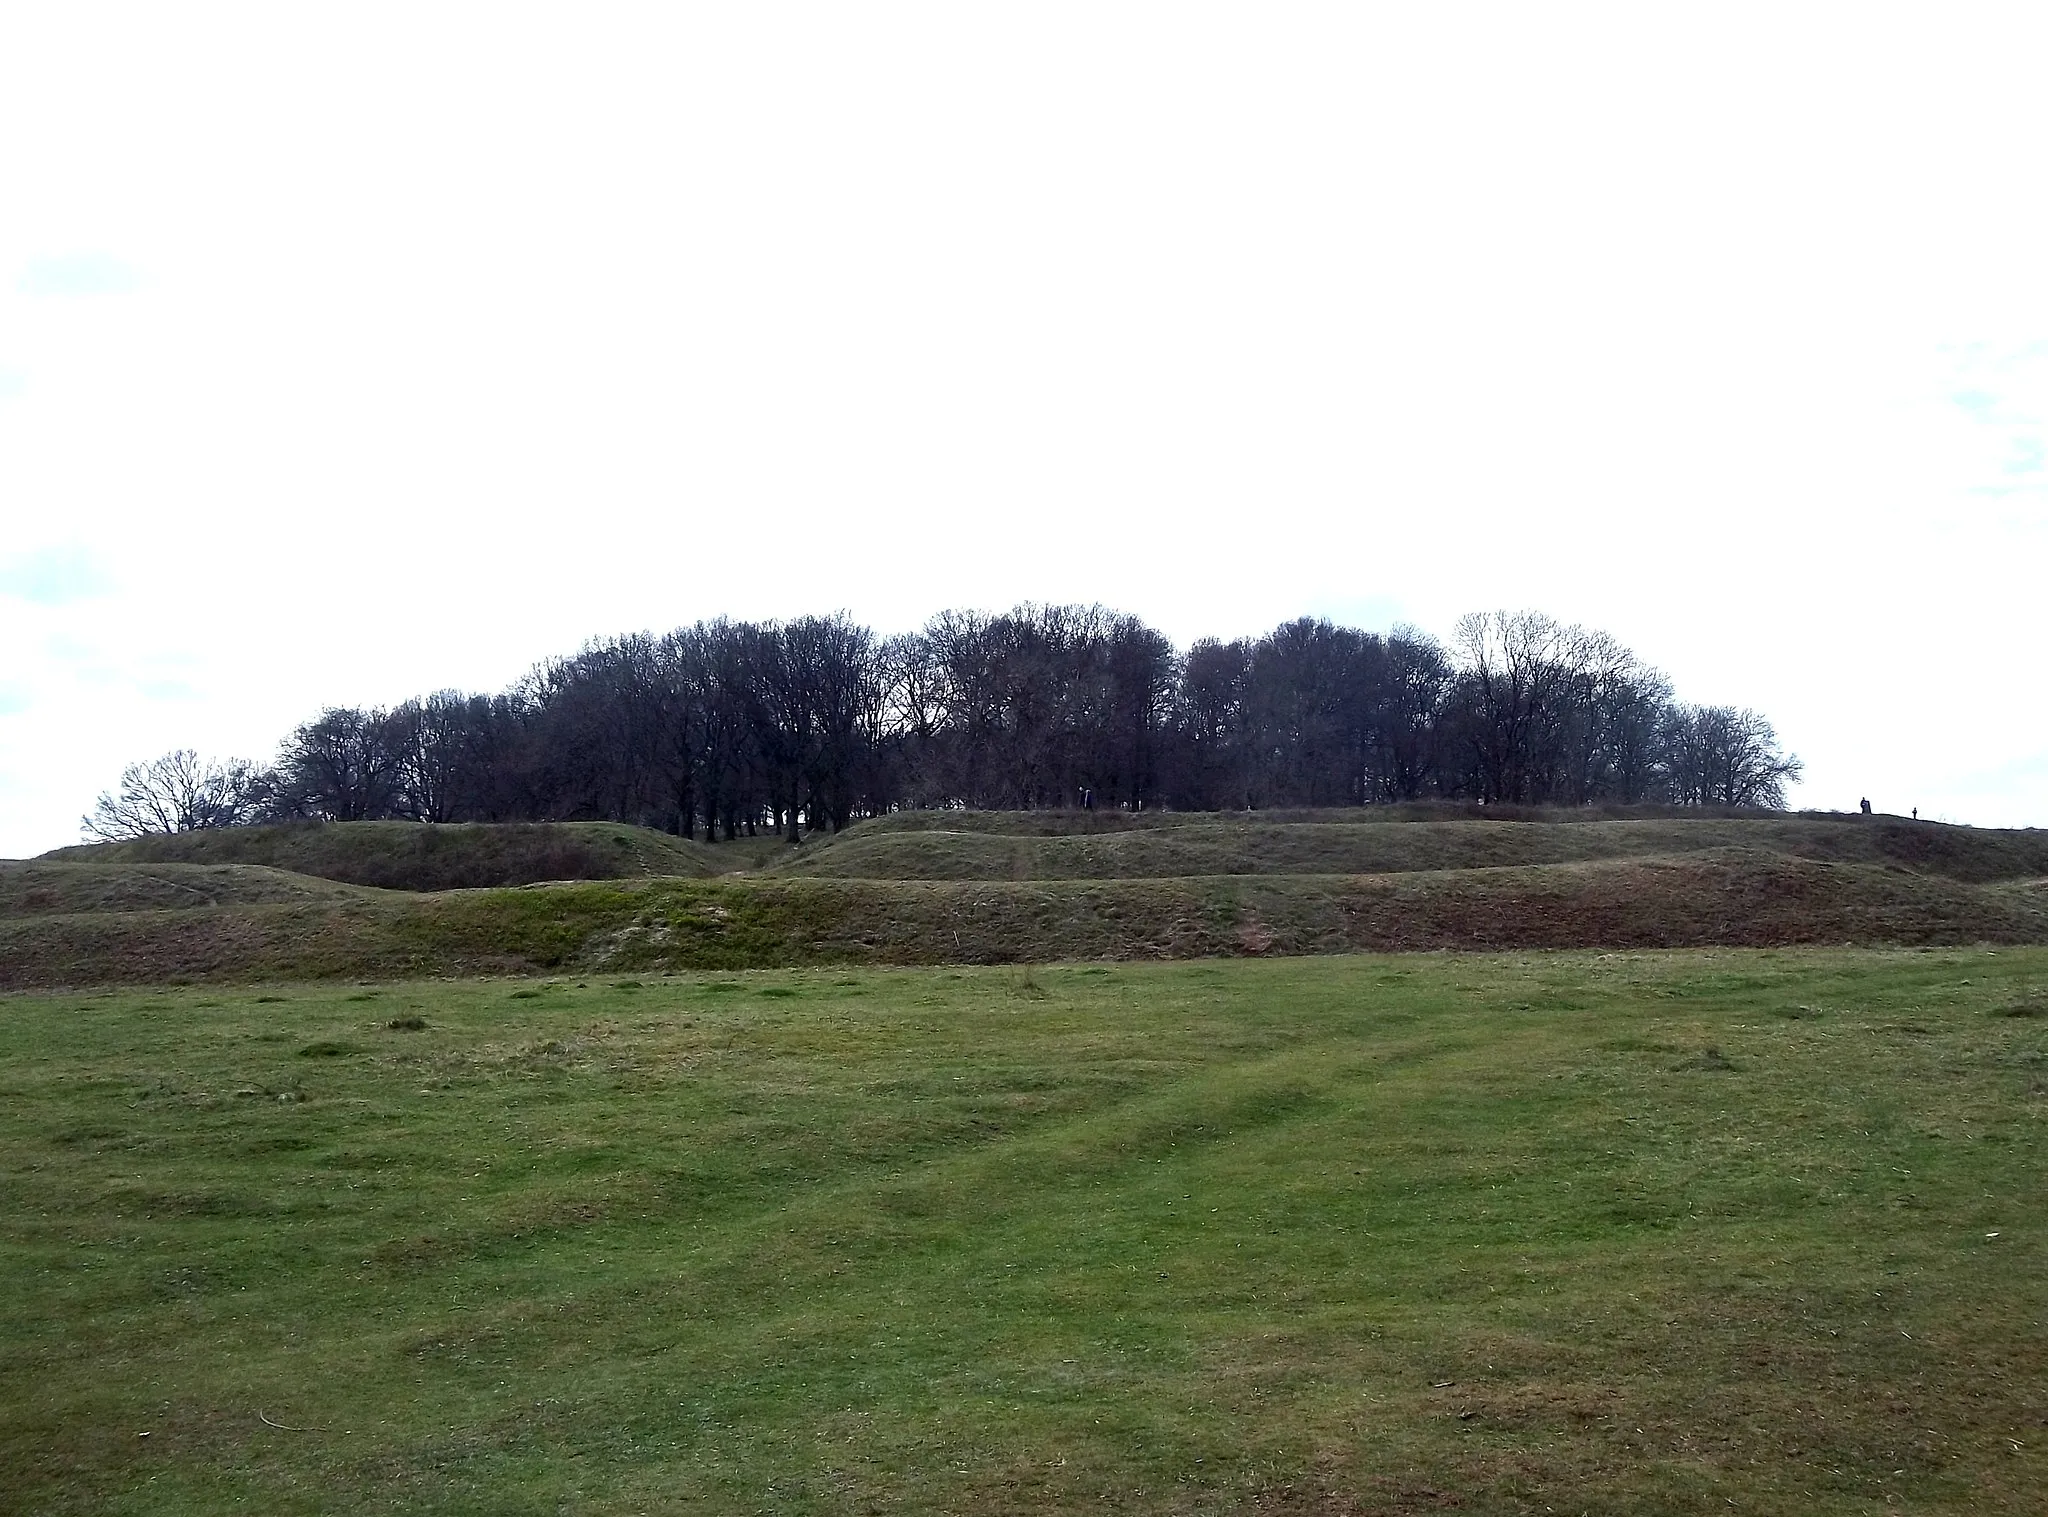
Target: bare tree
178	792
841	666
816	721
912	684
345	766
1515	667
429	737
1415	682
1727	756
1211	726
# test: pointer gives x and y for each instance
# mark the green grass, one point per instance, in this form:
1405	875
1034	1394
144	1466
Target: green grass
1352	844
1063	845
1069	821
46	889
962	887
418	856
1619	1233
1727	897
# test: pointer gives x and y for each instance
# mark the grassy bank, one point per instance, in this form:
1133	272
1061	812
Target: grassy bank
1253	844
38	889
1729	897
1594	1233
419	856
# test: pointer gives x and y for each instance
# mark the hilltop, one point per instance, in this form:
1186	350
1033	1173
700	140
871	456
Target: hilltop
992	888
996	846
420	855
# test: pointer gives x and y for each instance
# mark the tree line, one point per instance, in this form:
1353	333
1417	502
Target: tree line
728	727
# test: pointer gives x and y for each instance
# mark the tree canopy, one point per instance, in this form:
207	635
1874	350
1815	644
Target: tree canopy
722	727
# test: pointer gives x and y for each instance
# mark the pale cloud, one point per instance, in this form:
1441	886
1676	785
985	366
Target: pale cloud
75	275
54	576
2005	400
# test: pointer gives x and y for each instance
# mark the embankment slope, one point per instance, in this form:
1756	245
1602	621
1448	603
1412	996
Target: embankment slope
1729	897
886	849
423	856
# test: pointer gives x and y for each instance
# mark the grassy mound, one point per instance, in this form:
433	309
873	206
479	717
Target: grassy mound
420	856
1489	1234
900	890
1070	822
1255	844
1728	897
40	889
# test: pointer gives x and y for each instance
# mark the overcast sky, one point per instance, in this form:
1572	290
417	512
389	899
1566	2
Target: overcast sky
352	352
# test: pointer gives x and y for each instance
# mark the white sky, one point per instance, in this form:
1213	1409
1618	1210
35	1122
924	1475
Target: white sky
352	352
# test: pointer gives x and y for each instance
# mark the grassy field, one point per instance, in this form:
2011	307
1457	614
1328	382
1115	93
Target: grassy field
1616	1233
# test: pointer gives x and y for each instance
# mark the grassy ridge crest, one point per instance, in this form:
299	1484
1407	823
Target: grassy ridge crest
1725	897
421	855
41	889
1261	845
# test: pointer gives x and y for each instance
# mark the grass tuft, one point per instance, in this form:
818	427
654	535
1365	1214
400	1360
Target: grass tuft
1709	1059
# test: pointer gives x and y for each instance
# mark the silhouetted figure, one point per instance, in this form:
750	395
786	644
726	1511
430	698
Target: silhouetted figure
1866	805
1916	813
